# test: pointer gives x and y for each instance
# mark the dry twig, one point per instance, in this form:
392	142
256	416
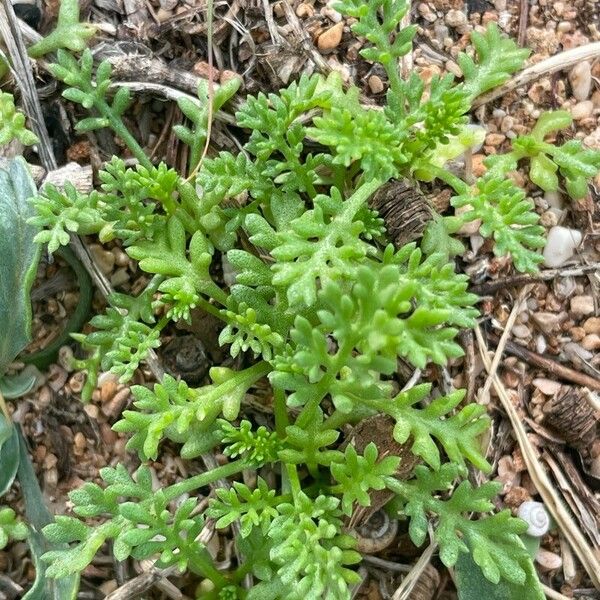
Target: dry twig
540	478
406	587
489	287
553	367
483	394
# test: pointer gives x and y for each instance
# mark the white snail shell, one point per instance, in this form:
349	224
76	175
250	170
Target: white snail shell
536	516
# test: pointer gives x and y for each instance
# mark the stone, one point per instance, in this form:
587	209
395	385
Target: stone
330	38
580	78
375	84
591	341
547	322
103	258
582	110
477	164
305	10
494	139
548	387
548	561
592	325
582	305
560	245
456	18
521	331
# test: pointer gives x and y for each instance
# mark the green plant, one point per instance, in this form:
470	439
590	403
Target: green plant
12	123
69	32
323	308
18	267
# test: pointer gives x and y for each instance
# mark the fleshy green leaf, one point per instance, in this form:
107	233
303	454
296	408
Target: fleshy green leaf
19	257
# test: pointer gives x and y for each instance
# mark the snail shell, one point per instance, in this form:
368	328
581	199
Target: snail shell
376	534
536	516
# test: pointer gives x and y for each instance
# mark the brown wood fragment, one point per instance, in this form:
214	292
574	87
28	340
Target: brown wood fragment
571	416
379	430
404	209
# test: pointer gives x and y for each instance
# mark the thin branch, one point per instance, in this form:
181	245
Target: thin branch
410	581
553	367
483	394
489	287
142	583
523	19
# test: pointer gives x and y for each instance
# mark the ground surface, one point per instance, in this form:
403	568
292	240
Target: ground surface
555	332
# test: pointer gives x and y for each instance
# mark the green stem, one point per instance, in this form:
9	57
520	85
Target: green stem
395	82
294	480
203	479
360	196
213	290
336	420
280	412
206	306
201	563
243	570
456	183
121	130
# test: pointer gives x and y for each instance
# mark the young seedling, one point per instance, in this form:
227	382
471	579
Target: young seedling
322	306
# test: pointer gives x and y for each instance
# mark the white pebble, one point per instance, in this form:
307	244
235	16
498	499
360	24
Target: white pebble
456	18
580	78
554	199
582	110
560	245
582	306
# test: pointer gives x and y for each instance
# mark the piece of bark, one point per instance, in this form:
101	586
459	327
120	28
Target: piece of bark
404	209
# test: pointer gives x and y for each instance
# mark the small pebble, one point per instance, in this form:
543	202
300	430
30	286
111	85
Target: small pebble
91	410
375	84
521	331
560	245
453	68
582	110
549	561
548	322
456	18
103	258
575	352
79	442
548	219
592	325
331	38
494	139
580	78
582	305
119	277
330	12
477	164
162	15
548	387
305	10
591	341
